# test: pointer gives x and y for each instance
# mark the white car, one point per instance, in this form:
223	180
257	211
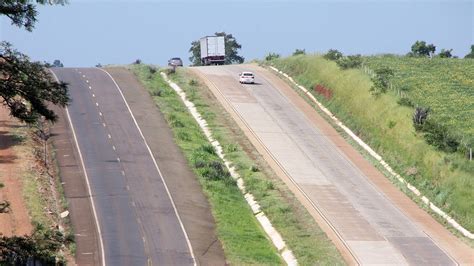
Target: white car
247	77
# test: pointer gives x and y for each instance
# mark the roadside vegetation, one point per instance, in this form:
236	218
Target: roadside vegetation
378	100
243	240
52	241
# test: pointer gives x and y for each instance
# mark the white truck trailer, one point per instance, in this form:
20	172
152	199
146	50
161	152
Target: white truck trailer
212	50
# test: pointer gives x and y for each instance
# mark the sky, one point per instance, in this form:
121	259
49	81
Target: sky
87	32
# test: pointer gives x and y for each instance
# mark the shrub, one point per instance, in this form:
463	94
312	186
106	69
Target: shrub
333	55
438	135
137	62
215	170
271	56
351	61
299	52
419	117
381	80
152	69
404	101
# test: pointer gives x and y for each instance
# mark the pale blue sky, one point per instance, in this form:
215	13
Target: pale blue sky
85	33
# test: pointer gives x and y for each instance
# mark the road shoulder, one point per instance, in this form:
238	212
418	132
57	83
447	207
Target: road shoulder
76	192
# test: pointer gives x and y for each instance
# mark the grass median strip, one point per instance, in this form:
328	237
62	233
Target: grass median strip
301	234
243	240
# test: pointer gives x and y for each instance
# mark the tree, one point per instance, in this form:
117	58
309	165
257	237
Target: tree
195	51
421	49
27	86
23	13
471	54
333	55
40	247
446	53
57	63
351	61
231	50
299	51
381	80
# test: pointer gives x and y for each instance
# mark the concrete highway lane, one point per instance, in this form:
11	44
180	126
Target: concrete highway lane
366	221
138	222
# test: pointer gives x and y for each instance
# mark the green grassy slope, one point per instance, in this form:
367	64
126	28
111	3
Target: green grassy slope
444	85
447	179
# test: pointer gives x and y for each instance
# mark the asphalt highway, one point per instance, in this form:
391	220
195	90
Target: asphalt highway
138	221
373	222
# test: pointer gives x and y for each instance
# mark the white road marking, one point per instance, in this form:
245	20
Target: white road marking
87	81
123	173
108	135
93	95
96	104
156	166
100	113
128	187
103	124
83	76
90	88
113	147
118	159
87	182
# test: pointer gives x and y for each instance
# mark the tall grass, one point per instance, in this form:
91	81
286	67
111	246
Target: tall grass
387	127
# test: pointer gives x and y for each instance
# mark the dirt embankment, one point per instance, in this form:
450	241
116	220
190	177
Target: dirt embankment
15	221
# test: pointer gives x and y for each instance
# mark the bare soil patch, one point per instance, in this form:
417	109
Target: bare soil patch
16	220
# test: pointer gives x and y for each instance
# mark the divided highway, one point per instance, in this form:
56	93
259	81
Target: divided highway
138	221
370	220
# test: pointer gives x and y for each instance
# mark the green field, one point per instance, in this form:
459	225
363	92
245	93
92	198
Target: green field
445	85
445	178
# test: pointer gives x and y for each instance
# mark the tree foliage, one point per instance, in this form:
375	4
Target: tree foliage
41	246
299	52
22	13
471	54
26	86
195	51
446	53
333	55
57	63
421	49
231	50
351	61
381	80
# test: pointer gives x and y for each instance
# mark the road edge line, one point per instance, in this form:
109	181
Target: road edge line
102	252
156	166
